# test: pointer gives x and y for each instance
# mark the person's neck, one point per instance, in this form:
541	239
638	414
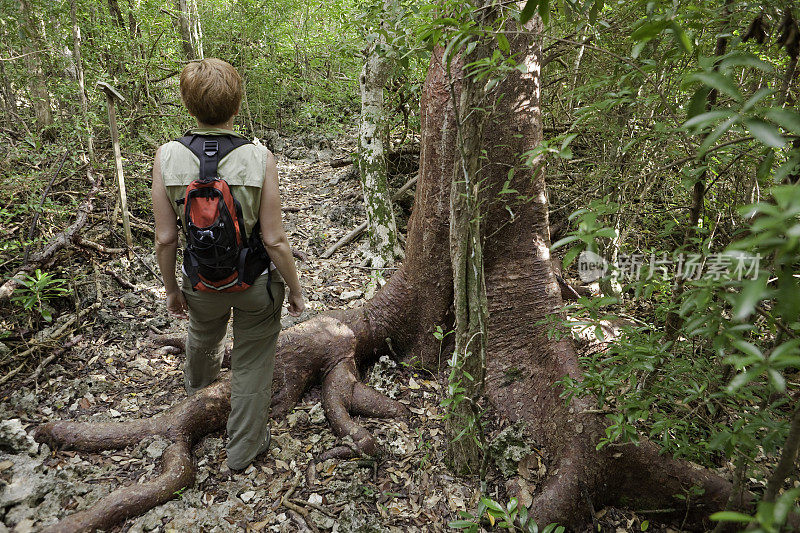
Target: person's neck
225	125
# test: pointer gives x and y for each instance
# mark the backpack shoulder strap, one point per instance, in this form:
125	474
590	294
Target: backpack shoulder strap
210	149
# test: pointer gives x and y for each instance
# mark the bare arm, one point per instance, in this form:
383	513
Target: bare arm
274	237
166	241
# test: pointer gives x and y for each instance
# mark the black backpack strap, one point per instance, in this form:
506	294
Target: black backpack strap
210	149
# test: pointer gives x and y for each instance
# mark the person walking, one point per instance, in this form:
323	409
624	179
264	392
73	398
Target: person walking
211	90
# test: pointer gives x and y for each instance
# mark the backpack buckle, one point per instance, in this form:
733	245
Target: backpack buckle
210	148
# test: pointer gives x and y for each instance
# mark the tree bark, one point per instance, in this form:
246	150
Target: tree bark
524	361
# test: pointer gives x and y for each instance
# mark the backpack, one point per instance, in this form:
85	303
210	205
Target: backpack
219	256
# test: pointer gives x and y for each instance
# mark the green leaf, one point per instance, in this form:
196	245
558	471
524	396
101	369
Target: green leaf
756	98
648	30
784	505
493	505
609	233
731	516
765	132
680	36
566	240
502	42
714	136
766	164
785	118
786	168
740	380
460	524
570	256
744	59
786	349
704	119
776	379
698	103
645	525
753	291
528	11
595	10
544	10
718	81
568	139
748	348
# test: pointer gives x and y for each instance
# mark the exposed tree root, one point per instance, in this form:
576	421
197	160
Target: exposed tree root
187	422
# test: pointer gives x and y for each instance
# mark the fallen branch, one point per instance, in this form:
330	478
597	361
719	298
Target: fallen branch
119	279
350	237
86	243
343	162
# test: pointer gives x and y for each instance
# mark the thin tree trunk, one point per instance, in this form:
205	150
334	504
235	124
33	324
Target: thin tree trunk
76	51
195	29
382	228
32	48
786	463
468	362
116	14
188	42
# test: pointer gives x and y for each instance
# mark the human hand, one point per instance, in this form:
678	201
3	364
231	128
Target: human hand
176	304
296	303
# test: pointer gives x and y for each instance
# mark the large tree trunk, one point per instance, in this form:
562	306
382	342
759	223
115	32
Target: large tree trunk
521	290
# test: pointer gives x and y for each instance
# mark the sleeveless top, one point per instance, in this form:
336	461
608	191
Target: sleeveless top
243	169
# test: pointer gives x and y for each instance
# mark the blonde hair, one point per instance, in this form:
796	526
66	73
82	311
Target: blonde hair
211	89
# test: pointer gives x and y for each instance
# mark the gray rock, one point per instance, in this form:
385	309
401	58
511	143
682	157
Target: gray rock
4	349
156	448
273	141
27	486
14	438
317	414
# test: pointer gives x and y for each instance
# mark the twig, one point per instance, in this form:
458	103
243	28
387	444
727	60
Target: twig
319	508
300	520
337	163
119	279
147	266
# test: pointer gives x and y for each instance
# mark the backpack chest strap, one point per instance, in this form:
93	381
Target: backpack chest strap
210	149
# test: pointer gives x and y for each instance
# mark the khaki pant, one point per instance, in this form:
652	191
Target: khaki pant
256	325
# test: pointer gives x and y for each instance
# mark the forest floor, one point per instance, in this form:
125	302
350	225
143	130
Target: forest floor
115	371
